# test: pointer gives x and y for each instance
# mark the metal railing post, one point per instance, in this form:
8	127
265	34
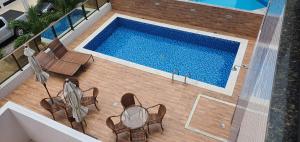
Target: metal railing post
173	74
53	31
97	4
186	76
36	45
18	64
70	22
84	12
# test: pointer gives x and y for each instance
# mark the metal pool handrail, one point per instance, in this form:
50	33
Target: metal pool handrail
188	75
175	71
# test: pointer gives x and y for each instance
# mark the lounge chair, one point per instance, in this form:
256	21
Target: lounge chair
62	53
50	63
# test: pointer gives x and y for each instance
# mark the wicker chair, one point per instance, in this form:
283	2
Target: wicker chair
52	108
71	119
116	128
92	99
156	118
86	100
128	100
138	135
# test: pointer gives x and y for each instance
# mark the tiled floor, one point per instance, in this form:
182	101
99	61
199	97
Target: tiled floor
220	112
113	80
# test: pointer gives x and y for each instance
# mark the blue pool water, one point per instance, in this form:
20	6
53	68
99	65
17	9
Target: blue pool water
238	4
207	59
63	25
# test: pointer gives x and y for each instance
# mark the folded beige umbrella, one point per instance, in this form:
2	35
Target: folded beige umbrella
73	96
40	75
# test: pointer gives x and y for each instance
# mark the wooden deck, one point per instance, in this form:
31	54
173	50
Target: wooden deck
113	80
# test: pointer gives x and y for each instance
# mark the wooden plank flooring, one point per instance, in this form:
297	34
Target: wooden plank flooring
220	114
113	80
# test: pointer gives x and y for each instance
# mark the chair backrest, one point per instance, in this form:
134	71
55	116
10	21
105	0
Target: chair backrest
45	60
162	111
110	124
45	104
74	81
57	48
51	108
127	100
95	92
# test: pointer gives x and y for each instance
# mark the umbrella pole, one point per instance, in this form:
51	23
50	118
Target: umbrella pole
44	84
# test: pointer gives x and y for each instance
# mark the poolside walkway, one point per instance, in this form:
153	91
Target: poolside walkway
212	113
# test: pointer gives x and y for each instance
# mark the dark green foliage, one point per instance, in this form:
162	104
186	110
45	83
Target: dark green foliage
19	24
65	5
22	39
36	23
34	20
49	17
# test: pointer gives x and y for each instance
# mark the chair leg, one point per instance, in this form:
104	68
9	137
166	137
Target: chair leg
117	137
71	124
162	129
85	122
148	128
82	127
130	135
146	134
96	106
53	116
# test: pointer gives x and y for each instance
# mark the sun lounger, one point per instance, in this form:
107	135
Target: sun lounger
50	63
62	53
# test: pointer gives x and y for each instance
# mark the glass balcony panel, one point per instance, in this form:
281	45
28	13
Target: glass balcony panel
46	37
21	58
62	27
8	67
77	16
101	2
90	7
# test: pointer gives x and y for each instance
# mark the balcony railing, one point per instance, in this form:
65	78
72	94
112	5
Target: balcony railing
16	60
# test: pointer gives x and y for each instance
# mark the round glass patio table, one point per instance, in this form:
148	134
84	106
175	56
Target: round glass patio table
134	117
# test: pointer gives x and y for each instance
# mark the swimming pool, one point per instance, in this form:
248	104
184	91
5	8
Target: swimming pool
160	48
248	5
63	25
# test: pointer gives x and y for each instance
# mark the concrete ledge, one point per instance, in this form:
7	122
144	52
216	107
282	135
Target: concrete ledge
14	81
21	125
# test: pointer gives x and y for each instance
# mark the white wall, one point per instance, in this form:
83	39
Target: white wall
10	129
13	82
18	124
40	132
